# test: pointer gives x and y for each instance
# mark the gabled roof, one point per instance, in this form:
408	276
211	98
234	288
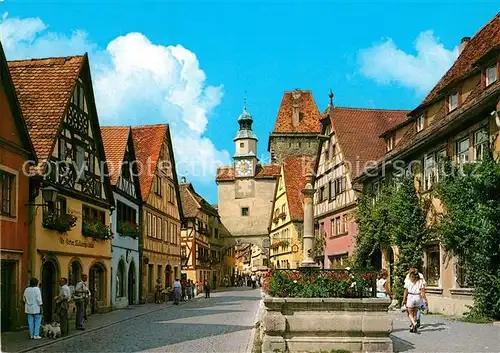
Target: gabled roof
358	131
114	139
44	87
262	171
14	106
148	142
309	114
295	170
484	40
192	202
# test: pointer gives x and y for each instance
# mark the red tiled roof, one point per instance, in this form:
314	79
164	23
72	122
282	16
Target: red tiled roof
148	143
295	170
44	87
114	139
192	202
358	131
485	39
266	171
309	113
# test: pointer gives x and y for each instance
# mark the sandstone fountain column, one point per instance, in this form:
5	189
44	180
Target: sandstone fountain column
308	236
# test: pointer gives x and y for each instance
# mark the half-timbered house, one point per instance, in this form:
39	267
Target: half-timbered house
16	152
159	244
201	243
349	143
71	235
120	158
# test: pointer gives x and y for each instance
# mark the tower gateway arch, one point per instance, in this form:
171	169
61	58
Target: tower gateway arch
245	191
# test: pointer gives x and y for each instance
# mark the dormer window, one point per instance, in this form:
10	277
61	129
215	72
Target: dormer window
389	143
453	101
420	123
491	75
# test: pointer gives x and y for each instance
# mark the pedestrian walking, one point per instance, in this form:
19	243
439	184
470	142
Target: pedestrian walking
80	297
383	290
253	278
62	306
188	289
413	296
32	298
423	305
177	291
206	289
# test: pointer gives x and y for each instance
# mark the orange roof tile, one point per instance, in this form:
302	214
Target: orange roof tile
295	170
44	87
114	139
358	131
309	114
263	171
486	38
148	143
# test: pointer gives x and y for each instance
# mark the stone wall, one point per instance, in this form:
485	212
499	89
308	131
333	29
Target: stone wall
281	147
317	324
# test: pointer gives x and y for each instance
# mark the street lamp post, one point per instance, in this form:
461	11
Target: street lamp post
308	237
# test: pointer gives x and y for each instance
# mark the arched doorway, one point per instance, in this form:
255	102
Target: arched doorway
49	283
97	285
168	270
75	272
120	280
376	259
131	283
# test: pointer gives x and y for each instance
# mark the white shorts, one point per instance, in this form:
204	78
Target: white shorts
413	301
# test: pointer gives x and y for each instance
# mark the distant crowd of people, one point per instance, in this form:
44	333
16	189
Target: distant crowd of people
253	281
33	307
183	290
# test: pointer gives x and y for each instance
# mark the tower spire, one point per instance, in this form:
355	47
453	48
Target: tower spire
331	98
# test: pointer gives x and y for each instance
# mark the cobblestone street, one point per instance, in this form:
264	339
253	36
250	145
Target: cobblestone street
222	323
440	334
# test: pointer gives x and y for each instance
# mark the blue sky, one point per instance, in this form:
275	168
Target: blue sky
190	64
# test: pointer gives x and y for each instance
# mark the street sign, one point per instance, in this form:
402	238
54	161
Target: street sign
265	243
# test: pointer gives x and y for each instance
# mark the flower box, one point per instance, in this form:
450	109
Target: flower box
325	309
127	229
275	245
96	230
62	224
282	215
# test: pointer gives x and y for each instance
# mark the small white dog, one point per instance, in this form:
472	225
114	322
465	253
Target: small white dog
44	332
55	330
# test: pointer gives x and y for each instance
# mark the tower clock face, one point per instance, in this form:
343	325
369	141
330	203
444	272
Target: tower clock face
244	168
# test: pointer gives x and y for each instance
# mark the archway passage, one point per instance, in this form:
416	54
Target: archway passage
376	259
97	285
131	283
49	283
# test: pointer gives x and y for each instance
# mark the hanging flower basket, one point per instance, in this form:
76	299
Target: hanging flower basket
97	230
275	245
62	224
127	229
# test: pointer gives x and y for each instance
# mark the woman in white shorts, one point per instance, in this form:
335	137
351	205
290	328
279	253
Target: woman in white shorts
414	293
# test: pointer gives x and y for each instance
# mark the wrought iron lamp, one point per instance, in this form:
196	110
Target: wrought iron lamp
49	195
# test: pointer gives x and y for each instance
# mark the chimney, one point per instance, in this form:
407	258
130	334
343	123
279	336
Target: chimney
463	44
296	108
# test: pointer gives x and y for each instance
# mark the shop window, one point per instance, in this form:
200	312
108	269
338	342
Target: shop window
433	265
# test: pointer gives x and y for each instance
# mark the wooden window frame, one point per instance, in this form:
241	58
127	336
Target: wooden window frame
8	194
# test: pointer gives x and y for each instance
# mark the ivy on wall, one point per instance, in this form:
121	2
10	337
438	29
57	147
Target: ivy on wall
470	229
393	216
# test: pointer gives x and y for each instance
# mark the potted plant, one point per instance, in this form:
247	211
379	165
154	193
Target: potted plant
95	229
127	229
60	223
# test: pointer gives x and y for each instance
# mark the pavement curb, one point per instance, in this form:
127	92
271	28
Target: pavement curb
254	338
79	333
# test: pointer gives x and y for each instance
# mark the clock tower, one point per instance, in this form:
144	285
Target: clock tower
245	157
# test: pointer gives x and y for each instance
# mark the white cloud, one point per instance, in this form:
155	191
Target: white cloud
137	82
388	64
